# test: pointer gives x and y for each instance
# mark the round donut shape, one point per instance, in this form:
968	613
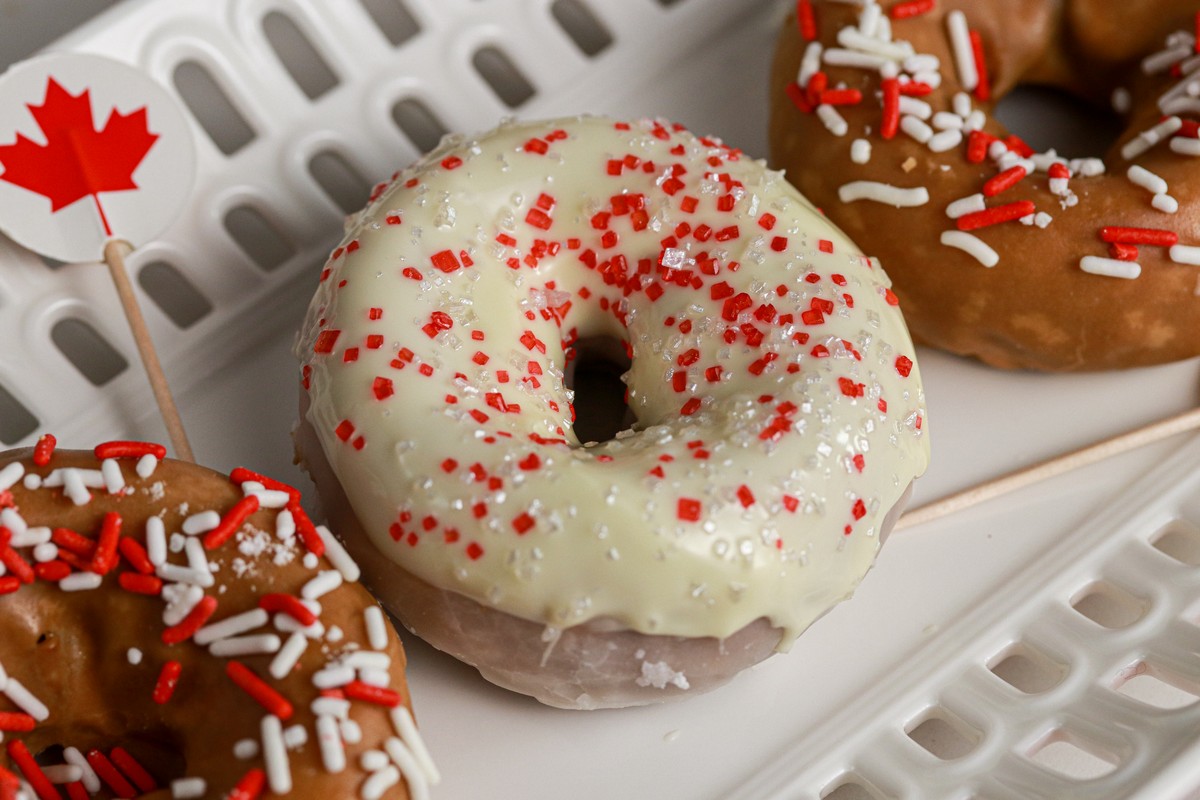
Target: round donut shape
779	416
1036	308
93	649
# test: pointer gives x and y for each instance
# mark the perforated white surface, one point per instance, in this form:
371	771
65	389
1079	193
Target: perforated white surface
945	605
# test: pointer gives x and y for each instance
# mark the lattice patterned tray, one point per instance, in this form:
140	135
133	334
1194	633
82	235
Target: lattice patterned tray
977	650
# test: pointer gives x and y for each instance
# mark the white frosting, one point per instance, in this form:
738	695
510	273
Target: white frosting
760	494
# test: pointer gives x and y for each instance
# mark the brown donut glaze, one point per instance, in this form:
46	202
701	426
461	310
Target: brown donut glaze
74	651
1036	308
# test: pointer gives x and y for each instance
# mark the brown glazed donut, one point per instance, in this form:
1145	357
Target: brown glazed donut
885	142
141	697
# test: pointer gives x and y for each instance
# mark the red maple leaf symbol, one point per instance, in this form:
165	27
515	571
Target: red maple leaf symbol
77	160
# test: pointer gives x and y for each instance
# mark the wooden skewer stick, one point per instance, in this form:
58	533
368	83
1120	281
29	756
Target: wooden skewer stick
114	256
1019	478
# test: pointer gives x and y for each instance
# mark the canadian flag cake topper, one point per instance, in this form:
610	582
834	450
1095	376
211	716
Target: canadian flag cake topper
74	127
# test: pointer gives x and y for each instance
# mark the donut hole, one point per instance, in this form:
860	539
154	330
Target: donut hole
595	369
1048	117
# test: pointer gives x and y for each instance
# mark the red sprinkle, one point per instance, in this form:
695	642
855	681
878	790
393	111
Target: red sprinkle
109	774
1004	181
1151	236
689	509
120	449
841	97
105	557
231	522
379	695
9	584
140	584
891	108
254	686
193	622
910	8
44	449
287	604
136	555
136	772
168	679
16	721
994	216
983	90
977	146
806	19
250	786
307	530
1123	252
23	760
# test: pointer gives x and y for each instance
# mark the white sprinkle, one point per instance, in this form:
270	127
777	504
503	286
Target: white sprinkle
145	468
373	760
24	699
377	635
403	758
962	104
1165	203
1185	146
134	655
946	140
834	122
922	62
156	541
971	245
329	739
1181	105
295	737
11	474
931	78
81	582
245	749
915	107
181	574
114	481
367	659
203	522
288	624
1087	167
976	121
232	626
964	56
288	655
860	151
91	781
285	525
1110	267
1146	179
853	39
33	481
883	193
3	678
46	551
11	519
996	150
1185	254
335	707
1122	101
325	582
351	732
181	599
197	556
310	561
234	646
275	758
338	556
28	537
271	498
1165	59
63	773
868	20
1150	137
1043	220
375	677
188	788
810	64
883	29
91	478
838	57
944	120
916	128
333	677
379	782
74	488
402	721
1026	220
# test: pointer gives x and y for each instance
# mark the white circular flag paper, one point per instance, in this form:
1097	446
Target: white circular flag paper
91	149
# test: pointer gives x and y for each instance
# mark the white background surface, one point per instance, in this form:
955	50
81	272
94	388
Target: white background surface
983	422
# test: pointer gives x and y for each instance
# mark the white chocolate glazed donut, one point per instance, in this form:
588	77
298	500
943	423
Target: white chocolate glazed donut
779	411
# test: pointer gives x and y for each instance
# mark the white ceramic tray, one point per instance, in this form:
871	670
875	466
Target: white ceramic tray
912	653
